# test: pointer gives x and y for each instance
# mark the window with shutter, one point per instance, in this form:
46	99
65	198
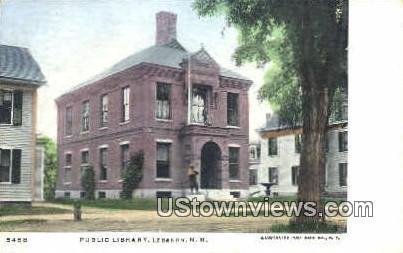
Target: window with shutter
16	166
5	165
6	107
17	108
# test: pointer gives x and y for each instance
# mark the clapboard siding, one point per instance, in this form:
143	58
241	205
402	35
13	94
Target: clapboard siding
20	137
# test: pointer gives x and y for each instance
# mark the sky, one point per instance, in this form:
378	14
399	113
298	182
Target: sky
74	40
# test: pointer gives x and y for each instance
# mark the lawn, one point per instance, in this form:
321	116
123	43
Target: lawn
130	215
31	210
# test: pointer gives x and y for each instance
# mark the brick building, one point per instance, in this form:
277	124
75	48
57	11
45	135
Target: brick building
179	107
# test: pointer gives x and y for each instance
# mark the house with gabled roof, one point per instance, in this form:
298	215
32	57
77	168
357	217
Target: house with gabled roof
180	108
20	77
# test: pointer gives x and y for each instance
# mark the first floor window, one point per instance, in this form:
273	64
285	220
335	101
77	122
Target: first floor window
163	160
103	154
343	174
273	175
233	162
10	166
294	175
67	175
272	144
253	177
124	158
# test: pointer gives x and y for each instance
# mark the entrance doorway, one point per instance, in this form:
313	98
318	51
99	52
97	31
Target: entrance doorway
210	174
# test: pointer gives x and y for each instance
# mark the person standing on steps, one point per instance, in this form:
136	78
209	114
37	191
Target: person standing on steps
192	174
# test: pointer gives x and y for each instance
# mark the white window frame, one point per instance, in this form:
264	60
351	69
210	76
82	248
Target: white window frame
125	106
104	124
82	116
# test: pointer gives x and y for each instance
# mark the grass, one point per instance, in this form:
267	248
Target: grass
309	227
292	198
30	210
121	204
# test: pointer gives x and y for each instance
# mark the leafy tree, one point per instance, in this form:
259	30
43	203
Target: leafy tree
50	167
133	175
88	182
306	41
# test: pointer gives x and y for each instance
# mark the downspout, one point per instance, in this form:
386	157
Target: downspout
189	91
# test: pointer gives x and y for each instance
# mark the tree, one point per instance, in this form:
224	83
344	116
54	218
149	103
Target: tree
133	175
306	40
50	167
88	182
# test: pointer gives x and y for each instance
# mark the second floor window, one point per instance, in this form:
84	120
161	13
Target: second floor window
103	164
199	105
232	109
69	121
233	163
272	146
273	175
125	104
294	175
343	174
163	160
104	110
11	107
343	141
68	159
298	143
124	158
163	103
85	116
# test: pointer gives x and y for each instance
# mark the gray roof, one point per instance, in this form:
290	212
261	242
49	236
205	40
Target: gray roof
170	55
17	63
274	124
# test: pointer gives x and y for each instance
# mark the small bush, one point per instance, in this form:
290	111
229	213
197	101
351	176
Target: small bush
133	175
88	182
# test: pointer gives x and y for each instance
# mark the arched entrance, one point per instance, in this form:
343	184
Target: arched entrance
210	172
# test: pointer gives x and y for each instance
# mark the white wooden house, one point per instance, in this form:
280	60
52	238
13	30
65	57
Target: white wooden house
20	77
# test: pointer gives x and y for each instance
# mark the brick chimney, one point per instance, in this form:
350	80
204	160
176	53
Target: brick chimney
166	27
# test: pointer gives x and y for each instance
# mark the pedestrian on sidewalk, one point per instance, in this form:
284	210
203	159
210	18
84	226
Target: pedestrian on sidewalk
192	174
